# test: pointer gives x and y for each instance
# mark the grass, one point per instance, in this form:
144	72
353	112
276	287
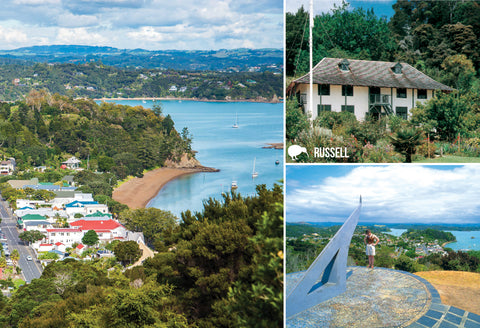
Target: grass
450	159
18	282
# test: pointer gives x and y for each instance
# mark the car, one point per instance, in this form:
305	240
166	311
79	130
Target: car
29	258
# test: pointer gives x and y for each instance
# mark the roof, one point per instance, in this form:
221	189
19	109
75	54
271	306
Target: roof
29	217
80	246
97	225
371	74
72	160
46	245
58	243
98	214
64	230
77	203
36	223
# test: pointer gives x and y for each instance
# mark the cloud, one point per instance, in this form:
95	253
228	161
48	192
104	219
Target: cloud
70	20
391	194
37	2
10	35
79	36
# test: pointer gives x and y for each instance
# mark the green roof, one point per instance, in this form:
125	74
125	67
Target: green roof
98	213
30	217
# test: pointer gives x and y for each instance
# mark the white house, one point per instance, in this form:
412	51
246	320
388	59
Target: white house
85	208
66	236
106	229
7	167
362	86
72	163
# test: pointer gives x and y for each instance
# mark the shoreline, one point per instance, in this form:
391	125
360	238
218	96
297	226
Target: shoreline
263	100
138	192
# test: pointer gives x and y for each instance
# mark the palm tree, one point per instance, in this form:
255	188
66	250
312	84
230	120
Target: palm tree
15	256
405	141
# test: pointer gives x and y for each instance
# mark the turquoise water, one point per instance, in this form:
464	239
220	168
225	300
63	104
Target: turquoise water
396	232
232	150
465	241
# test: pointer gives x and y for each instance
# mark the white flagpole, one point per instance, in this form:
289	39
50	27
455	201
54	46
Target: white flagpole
311	59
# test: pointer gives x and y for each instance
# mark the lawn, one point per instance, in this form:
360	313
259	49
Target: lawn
450	159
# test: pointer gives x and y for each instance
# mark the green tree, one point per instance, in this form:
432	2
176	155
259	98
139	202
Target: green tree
296	121
31	236
405	142
90	238
127	252
15	256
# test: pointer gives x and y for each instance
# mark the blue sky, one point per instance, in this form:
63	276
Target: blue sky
391	193
380	7
147	24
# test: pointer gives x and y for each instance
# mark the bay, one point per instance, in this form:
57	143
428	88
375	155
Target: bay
219	145
465	240
396	232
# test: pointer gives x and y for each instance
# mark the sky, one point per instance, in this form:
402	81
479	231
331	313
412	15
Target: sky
380	7
390	193
146	24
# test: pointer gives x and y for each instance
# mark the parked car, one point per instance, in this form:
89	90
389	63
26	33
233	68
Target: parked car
29	258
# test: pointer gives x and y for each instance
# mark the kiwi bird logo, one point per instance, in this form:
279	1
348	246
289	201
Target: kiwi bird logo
295	150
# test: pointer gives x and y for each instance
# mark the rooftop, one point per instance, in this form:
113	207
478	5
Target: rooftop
371	74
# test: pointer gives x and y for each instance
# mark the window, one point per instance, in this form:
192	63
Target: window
402	112
323	108
397	69
347	90
401	93
348	108
52	234
422	94
324	89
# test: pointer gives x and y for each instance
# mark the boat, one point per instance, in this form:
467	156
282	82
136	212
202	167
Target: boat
234	185
235	125
144	101
254	173
277	162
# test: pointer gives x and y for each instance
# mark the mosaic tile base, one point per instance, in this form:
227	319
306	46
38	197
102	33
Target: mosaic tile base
382	298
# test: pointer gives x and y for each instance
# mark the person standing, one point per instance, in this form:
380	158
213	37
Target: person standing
370	241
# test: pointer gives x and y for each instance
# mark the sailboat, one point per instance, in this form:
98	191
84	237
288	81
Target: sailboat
235	125
254	173
234	185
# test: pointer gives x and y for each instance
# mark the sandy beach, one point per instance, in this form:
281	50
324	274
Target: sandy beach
137	192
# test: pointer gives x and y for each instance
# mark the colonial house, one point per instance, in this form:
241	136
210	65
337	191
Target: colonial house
364	87
72	163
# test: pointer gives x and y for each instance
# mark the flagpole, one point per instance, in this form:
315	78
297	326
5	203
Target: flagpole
311	59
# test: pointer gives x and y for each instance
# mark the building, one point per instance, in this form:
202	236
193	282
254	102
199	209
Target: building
72	163
106	230
364	87
66	236
7	167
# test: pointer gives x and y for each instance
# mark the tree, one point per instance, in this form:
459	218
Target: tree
127	252
405	141
90	238
15	256
31	236
296	120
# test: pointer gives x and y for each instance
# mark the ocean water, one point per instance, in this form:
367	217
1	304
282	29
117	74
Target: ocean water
219	145
396	232
465	241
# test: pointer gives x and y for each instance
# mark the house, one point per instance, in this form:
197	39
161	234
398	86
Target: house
364	87
106	229
66	236
173	88
72	163
7	167
85	208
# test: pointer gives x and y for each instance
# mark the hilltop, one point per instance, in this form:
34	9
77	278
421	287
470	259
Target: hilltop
223	59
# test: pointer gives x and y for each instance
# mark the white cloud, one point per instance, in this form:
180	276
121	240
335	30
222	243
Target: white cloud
70	20
147	33
392	194
37	2
10	35
79	36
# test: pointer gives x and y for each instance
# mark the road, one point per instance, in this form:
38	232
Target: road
30	269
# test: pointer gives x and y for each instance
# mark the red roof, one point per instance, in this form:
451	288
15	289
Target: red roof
45	245
64	230
97	225
58	243
80	246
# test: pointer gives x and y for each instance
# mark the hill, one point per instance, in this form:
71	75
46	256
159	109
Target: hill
223	59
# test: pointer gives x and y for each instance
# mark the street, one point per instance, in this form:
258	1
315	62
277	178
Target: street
30	269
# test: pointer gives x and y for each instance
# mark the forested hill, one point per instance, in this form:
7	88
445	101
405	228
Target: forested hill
46	129
96	80
438	37
234	59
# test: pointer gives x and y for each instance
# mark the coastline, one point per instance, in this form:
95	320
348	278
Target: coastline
260	100
137	192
